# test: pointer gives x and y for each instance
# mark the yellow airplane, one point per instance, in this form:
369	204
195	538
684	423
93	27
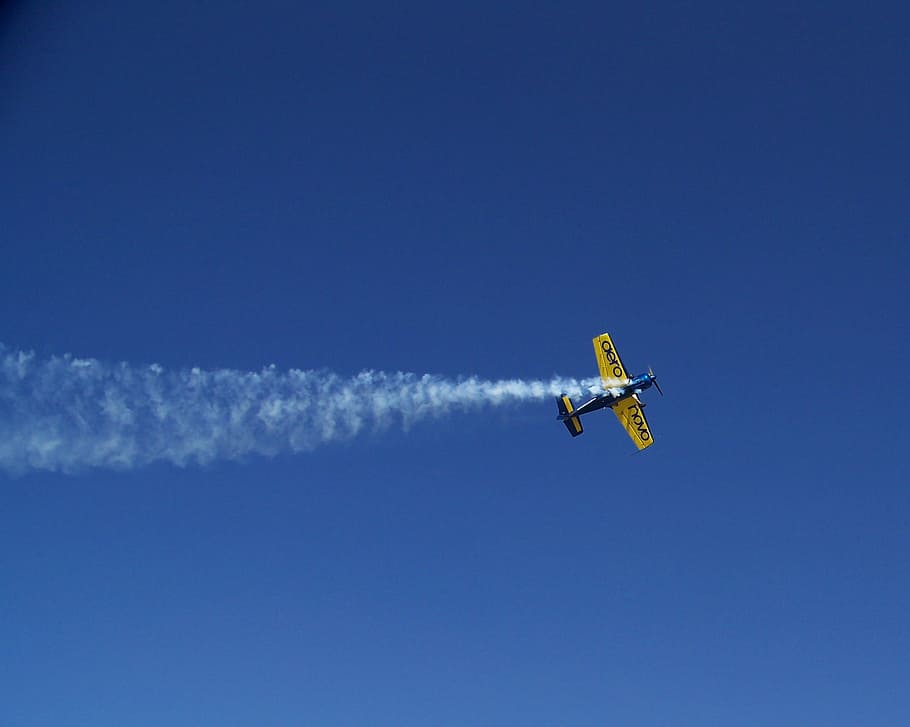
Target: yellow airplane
620	393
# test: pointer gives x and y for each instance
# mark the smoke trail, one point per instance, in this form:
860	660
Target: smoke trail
66	413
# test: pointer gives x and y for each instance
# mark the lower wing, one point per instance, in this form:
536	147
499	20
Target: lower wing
631	415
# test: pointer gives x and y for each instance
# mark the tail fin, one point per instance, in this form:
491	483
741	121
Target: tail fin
573	424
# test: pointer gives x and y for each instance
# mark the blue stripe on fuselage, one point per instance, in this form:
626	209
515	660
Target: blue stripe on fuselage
609	398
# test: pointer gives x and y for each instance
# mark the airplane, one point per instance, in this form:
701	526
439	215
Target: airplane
619	392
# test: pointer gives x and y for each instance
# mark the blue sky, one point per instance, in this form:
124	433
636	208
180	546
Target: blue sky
468	190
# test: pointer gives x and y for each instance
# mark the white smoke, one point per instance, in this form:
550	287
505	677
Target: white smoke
66	413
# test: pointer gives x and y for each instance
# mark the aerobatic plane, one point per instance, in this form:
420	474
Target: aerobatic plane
619	392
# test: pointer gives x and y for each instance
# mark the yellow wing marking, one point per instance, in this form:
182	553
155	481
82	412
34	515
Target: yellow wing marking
611	369
632	417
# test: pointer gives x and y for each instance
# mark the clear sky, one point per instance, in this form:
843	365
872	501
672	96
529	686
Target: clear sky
469	189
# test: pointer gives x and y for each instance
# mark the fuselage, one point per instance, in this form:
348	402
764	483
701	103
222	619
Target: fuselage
613	394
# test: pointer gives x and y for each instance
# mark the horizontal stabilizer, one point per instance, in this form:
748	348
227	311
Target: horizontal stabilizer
573	424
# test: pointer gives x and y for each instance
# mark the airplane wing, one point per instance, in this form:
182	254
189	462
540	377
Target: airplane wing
608	361
632	417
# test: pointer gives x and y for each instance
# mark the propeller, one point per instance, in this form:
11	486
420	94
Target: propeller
654	379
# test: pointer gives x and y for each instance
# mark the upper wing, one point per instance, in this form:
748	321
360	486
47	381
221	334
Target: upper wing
632	417
608	361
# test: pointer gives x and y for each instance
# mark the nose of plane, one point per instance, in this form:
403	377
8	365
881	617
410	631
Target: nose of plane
654	380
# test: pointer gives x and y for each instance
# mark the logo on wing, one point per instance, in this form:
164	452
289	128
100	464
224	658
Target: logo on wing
611	358
638	421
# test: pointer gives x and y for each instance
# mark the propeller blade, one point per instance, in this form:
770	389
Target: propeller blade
654	379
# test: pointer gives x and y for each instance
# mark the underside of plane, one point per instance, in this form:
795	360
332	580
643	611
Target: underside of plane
620	393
